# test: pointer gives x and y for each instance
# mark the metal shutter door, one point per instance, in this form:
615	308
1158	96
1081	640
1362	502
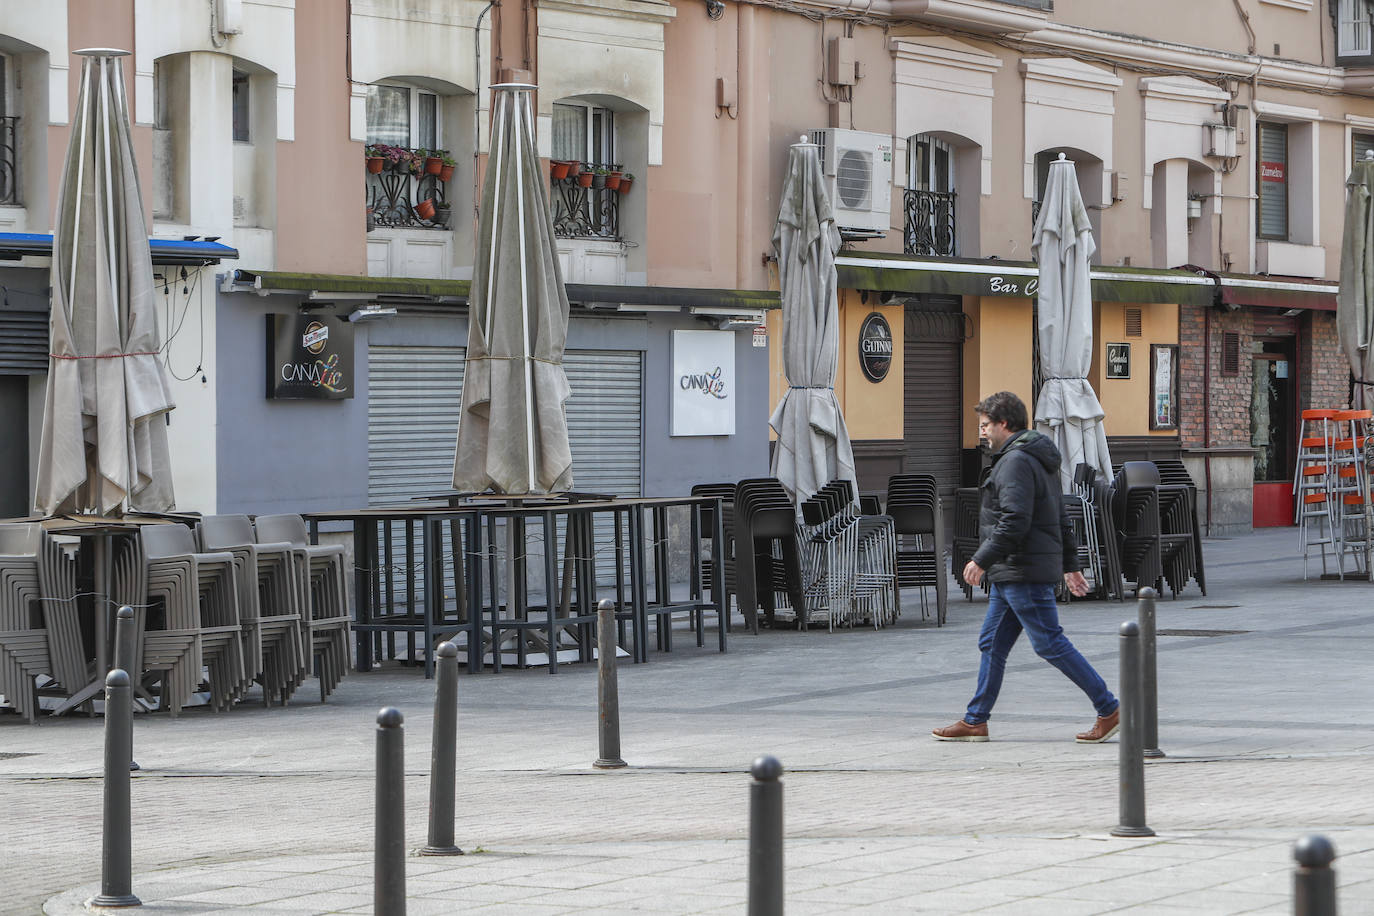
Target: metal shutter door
931	428
605	426
23	342
412	421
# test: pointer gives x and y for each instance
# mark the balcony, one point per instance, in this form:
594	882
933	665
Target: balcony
930	223
586	199
406	188
9	161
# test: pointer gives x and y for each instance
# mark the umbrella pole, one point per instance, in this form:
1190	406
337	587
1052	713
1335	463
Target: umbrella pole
519	124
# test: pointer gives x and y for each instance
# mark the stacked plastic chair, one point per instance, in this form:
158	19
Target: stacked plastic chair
273	631
62	617
321	594
1135	509
1180	530
1313	513
913	503
201	627
23	637
967	503
725	493
767	555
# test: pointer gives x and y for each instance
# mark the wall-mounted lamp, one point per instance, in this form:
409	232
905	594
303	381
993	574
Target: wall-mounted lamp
714	10
371	313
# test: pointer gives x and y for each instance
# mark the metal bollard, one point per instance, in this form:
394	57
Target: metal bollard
1132	765
443	767
116	847
1314	882
124	660
389	857
607	690
765	838
1149	680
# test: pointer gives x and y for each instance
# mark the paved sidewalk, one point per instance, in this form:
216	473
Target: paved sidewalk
1268	724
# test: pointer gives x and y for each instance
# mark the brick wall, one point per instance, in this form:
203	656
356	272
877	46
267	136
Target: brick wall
1325	378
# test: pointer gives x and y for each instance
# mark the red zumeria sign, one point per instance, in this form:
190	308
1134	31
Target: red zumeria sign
1273	171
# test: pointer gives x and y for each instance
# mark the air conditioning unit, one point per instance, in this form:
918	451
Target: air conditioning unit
858	169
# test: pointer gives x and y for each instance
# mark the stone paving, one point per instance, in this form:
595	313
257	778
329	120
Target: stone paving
1269	730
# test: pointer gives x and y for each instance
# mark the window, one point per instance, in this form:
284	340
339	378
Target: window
932	164
1353	32
930	197
1273	181
241	111
1359	145
585	133
9	139
402	116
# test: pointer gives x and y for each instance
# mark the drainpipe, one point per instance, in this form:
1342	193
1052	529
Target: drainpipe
477	114
744	209
1206	409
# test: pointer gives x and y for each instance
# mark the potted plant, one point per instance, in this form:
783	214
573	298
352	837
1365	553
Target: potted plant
415	162
599	177
375	160
558	169
626	179
584	178
613	179
434	161
425	210
443	212
574	168
446	166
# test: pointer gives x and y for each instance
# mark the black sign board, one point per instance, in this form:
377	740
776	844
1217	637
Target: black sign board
309	357
875	347
1118	360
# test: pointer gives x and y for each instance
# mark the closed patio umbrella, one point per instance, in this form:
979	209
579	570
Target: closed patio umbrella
1355	298
103	445
1067	409
813	443
513	430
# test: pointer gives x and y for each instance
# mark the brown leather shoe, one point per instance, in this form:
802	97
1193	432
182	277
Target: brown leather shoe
1102	729
962	731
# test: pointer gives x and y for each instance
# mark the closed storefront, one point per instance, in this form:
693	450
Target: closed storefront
933	402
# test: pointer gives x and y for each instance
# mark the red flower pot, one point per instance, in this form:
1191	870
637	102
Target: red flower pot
425	210
574	168
613	181
625	183
433	164
558	169
446	173
584	179
374	164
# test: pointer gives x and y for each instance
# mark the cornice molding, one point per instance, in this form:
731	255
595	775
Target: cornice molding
656	11
964	57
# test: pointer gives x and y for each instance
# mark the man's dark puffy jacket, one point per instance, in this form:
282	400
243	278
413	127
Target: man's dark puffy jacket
1026	533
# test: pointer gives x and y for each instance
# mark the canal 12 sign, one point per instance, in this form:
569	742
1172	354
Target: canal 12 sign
875	347
309	357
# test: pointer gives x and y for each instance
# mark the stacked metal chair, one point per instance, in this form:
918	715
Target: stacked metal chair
23	636
913	503
967	503
1097	553
725	493
57	576
200	623
767	555
1349	488
849	560
274	634
322	594
1180	529
1135	510
1313	513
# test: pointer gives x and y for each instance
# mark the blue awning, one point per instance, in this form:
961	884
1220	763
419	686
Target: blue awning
15	245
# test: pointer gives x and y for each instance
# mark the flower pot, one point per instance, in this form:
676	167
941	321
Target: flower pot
425	210
433	164
374	164
558	169
442	216
400	167
574	168
613	181
625	183
598	182
584	179
446	172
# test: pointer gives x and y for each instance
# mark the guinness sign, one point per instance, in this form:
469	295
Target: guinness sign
875	347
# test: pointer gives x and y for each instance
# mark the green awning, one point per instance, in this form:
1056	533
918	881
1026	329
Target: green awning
993	277
285	281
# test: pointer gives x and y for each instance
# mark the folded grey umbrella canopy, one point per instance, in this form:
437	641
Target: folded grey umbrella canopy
1355	297
513	429
103	444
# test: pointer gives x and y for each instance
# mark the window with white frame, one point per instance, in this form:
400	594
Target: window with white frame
929	196
585	133
242	112
1272	181
9	135
404	116
1359	145
1354	35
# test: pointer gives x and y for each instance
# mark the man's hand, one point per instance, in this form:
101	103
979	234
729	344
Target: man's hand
973	574
1076	583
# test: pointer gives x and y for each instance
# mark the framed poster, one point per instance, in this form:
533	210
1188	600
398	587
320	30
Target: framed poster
1118	360
703	383
1163	386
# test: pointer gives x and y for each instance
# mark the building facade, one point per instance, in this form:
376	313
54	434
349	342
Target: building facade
1211	144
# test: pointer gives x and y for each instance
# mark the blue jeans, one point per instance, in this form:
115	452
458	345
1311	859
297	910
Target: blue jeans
1013	606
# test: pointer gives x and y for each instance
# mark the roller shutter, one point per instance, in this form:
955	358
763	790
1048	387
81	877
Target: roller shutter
933	395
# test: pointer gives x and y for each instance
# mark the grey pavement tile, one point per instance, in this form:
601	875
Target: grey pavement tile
329	902
519	909
584	897
1039	906
855	892
316	881
237	895
1223	901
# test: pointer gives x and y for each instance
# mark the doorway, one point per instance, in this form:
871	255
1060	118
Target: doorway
14	449
1273	409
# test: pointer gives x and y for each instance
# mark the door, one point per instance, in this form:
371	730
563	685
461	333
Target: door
14	449
1273	410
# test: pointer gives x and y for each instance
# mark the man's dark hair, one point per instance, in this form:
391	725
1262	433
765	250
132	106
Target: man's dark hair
1004	407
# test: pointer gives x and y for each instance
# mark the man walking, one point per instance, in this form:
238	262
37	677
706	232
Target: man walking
1027	547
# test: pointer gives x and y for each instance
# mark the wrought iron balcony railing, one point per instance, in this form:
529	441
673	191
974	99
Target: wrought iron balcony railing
9	160
930	223
586	211
405	195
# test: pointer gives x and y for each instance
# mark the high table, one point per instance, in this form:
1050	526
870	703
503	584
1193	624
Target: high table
425	543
